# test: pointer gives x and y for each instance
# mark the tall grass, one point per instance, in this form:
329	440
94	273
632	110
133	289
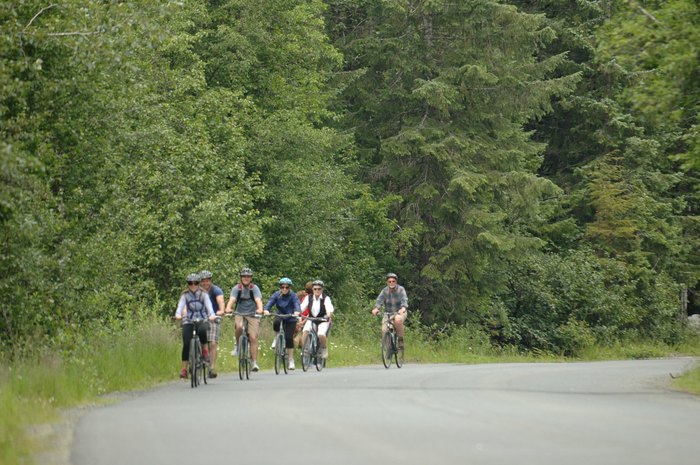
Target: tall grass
35	388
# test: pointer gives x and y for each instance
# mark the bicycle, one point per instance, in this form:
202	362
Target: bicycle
281	355
390	344
311	352
198	366
245	359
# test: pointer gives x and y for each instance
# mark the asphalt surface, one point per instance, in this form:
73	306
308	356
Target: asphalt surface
547	413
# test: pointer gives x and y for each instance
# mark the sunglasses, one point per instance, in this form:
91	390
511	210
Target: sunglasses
316	288
193	283
391	280
284	287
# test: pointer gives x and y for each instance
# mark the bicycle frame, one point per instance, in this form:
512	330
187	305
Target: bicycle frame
281	356
198	366
311	350
390	343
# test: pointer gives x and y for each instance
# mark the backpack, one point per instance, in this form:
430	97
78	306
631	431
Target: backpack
195	303
239	288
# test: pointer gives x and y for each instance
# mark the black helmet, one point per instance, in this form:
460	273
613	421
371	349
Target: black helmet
246	272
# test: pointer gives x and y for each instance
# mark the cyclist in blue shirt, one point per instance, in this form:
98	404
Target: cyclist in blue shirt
194	309
287	303
216	295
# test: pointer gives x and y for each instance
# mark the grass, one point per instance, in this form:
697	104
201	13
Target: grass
689	381
34	390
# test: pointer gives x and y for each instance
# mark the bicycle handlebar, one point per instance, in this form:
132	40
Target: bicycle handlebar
256	315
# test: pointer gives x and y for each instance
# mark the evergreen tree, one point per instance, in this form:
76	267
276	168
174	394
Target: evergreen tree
439	110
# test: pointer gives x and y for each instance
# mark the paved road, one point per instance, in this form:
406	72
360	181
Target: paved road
559	413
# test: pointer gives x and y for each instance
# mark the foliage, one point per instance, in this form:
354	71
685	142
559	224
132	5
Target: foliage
529	169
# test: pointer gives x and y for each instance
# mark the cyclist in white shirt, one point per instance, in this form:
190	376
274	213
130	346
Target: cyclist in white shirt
318	305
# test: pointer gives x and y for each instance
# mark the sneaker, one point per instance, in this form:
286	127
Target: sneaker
291	364
234	352
274	343
325	352
213	374
183	373
255	366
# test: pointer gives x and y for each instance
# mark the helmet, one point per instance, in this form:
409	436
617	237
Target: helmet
204	274
193	277
286	281
246	272
318	282
392	275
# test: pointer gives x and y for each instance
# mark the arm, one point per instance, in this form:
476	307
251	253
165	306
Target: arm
230	304
179	314
272	301
220	301
329	307
210	309
297	307
380	302
404	301
257	296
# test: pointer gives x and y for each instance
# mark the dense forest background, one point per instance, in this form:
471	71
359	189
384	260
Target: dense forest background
528	168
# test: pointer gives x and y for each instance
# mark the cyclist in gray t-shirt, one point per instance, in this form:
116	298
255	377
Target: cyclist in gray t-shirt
247	299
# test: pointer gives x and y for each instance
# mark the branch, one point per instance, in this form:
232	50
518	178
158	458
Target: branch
76	33
37	15
644	12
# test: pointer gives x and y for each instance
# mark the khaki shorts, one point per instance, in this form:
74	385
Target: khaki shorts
253	323
395	316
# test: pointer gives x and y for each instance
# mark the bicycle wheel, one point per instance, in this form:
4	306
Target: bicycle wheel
306	353
242	358
319	361
279	353
205	367
197	363
387	349
248	359
398	353
193	362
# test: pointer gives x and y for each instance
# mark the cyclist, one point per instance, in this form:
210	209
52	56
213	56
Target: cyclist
395	302
248	300
194	305
287	303
216	295
319	306
302	295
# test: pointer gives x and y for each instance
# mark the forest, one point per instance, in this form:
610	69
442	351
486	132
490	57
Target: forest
528	168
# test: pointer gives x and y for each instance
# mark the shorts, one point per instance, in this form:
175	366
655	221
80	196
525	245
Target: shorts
253	323
321	329
394	316
214	331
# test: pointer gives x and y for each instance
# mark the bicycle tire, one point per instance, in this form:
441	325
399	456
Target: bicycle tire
306	353
282	351
248	359
193	363
318	351
200	363
204	369
279	353
387	349
398	353
242	358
